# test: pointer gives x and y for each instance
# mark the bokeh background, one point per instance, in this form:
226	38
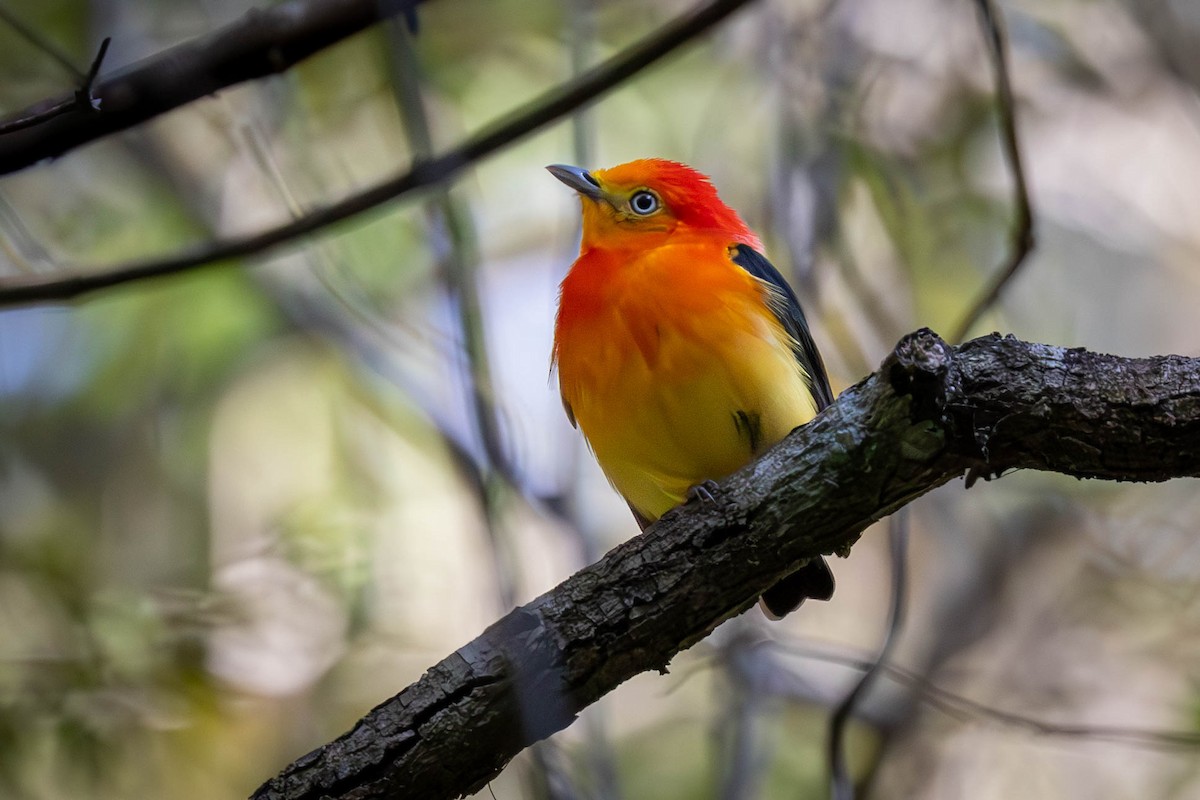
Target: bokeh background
240	507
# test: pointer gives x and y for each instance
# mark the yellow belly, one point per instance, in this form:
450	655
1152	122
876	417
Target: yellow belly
699	404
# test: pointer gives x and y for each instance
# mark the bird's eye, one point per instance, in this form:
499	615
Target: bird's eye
644	202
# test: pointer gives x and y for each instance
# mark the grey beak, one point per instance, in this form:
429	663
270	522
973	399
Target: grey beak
578	179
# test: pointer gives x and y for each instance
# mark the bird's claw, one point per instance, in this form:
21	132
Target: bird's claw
704	492
985	472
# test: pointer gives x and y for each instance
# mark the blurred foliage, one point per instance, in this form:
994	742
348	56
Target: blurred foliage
240	507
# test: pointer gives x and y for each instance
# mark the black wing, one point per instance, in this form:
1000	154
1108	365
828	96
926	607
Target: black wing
814	578
791	316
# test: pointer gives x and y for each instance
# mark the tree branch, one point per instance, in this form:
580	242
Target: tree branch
557	103
931	413
262	42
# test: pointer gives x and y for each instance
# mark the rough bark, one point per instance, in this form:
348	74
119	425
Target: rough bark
930	414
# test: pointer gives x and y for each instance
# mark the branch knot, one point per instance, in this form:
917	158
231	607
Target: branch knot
917	369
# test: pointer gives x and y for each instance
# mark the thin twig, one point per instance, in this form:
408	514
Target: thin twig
19	246
964	708
841	785
553	105
1022	235
37	117
263	41
83	98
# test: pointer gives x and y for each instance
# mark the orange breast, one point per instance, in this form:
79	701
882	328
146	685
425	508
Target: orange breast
675	369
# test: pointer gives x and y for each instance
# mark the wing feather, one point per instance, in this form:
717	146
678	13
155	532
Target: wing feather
791	316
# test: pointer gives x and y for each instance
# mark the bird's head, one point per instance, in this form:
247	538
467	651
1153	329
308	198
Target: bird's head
645	201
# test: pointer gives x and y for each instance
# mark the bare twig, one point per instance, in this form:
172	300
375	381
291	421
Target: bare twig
1022	234
82	99
964	709
553	105
83	95
841	785
20	247
263	42
37	117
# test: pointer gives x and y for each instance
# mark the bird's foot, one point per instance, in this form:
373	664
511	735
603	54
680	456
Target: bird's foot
985	472
704	492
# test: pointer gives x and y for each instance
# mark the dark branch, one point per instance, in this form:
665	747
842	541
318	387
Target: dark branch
34	118
263	42
930	414
83	100
551	106
1021	236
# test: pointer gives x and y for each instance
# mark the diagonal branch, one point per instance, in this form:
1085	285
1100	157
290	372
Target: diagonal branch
930	414
551	106
262	42
83	99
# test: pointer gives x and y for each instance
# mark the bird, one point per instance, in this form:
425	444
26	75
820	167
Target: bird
682	354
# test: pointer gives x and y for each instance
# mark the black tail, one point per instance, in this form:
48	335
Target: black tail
812	580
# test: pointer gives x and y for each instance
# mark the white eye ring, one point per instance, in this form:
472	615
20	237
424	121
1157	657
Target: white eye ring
644	202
